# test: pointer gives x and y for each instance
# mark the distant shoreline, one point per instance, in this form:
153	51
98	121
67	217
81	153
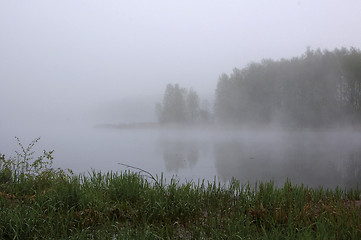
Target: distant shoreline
141	125
213	126
155	125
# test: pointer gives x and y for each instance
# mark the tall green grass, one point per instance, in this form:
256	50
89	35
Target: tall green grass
52	204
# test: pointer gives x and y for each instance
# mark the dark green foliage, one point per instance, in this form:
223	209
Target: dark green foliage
320	88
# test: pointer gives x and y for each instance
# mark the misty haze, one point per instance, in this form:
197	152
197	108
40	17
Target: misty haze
251	90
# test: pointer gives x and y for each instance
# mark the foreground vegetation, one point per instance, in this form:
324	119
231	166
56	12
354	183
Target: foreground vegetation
39	202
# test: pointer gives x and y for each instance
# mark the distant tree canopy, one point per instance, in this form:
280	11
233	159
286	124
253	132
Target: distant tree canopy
318	88
180	106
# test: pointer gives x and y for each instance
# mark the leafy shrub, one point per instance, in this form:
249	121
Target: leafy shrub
26	166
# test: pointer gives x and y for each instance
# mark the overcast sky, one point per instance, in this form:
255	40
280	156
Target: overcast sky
68	54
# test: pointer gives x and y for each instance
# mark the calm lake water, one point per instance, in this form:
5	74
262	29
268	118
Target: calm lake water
322	158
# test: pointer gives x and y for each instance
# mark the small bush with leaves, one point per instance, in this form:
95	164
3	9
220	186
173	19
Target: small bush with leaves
5	171
26	165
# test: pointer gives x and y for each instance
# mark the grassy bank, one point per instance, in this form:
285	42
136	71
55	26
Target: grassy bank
126	205
39	202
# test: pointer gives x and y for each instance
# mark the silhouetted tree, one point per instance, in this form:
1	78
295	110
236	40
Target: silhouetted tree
174	107
180	106
193	108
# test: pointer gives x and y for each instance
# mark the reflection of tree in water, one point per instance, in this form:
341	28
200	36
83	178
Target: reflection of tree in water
314	163
178	154
243	162
353	169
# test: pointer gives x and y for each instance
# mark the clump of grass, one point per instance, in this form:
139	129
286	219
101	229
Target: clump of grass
127	205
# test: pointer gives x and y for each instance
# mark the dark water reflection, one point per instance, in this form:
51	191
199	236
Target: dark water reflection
327	159
178	154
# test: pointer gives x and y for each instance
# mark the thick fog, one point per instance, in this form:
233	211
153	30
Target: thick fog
67	66
61	58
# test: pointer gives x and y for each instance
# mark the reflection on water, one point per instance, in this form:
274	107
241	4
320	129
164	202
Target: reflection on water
178	154
323	159
353	169
314	158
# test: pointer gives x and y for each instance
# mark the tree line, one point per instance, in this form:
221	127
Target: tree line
181	106
319	88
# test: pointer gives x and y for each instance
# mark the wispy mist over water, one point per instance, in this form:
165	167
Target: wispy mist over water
315	158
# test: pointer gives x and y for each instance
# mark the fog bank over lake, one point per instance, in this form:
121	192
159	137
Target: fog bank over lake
316	158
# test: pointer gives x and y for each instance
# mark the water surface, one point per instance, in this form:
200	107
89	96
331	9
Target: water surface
314	158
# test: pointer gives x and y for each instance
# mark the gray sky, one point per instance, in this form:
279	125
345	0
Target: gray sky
65	55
